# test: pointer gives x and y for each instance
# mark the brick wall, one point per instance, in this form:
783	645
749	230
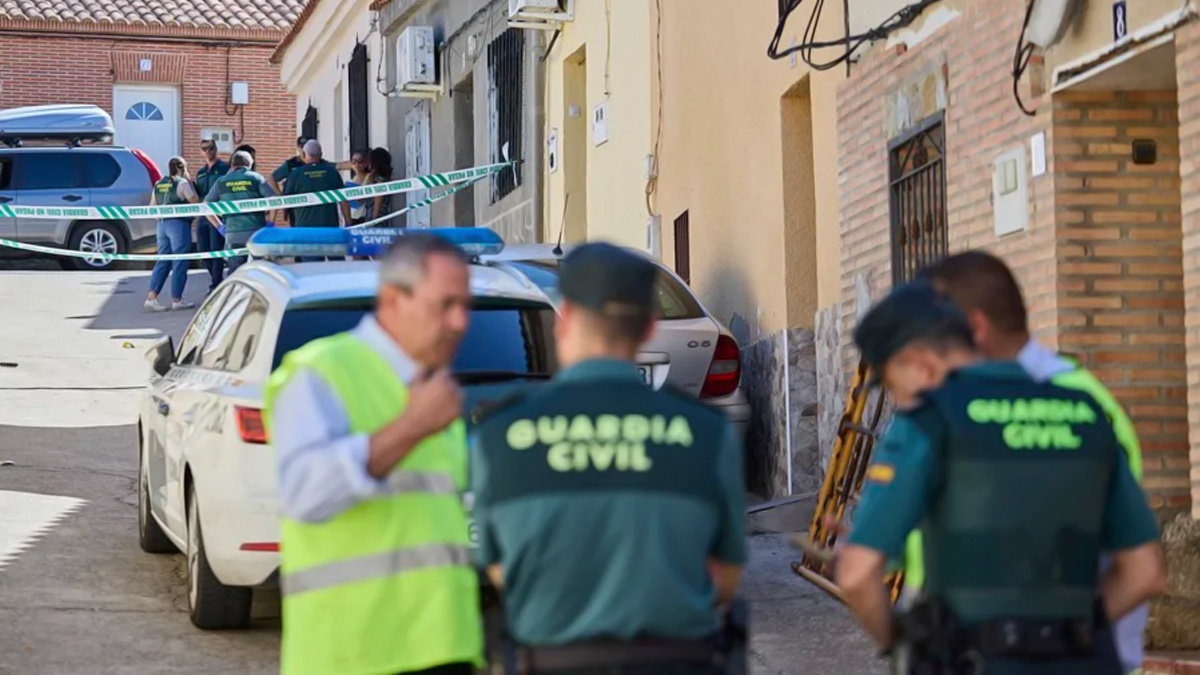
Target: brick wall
53	69
1120	288
1187	60
982	121
1103	259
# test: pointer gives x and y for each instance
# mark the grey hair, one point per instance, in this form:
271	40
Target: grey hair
241	158
404	264
312	148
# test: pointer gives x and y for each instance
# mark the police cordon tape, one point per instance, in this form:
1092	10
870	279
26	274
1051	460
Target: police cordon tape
209	255
425	182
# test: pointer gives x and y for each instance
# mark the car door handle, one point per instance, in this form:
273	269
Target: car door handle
71	198
163	408
5	200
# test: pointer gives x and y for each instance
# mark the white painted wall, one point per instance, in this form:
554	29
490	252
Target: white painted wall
315	62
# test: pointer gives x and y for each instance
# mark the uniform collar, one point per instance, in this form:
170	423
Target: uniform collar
237	169
369	331
600	369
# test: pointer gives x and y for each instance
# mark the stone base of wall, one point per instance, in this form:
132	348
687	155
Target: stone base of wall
1175	618
773	407
518	225
831	380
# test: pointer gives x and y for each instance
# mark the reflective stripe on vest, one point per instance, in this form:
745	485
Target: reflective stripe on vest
418	481
385	585
378	565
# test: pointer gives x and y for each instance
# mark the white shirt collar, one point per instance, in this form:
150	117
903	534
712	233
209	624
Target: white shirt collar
1041	363
369	331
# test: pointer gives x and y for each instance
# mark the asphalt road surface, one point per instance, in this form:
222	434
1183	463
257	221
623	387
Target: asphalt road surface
77	595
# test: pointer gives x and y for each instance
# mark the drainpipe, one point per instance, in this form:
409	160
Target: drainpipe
535	158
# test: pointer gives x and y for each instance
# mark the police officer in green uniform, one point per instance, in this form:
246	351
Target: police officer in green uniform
278	177
316	175
240	183
1017	487
610	515
208	238
984	288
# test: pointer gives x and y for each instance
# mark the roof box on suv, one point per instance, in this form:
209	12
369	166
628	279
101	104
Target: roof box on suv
68	123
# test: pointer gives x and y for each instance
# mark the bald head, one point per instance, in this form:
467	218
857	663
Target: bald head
313	151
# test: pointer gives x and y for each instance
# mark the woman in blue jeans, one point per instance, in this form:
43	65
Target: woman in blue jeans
174	236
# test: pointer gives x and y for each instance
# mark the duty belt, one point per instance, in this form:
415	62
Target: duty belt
1034	639
614	654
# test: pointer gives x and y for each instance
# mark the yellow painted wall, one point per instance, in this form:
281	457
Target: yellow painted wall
617	37
754	252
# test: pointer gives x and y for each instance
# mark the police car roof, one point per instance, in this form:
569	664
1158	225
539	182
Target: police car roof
355	279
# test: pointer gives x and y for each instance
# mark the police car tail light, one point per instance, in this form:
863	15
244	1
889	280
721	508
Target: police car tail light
250	425
725	371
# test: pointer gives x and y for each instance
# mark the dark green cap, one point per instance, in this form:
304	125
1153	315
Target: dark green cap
909	312
608	280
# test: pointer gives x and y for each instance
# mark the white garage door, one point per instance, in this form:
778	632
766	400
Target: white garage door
147	118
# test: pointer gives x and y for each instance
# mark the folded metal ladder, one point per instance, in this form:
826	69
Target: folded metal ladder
842	485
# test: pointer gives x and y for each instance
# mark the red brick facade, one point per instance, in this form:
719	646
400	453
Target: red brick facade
36	70
1110	255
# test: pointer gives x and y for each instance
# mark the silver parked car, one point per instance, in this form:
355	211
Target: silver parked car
690	351
101	175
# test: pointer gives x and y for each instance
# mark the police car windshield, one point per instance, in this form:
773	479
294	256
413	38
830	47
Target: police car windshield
507	339
672	299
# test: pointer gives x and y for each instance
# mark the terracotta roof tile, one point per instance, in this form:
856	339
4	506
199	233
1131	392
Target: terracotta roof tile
257	15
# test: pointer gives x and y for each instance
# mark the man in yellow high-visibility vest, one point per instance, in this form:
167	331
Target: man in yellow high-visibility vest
376	571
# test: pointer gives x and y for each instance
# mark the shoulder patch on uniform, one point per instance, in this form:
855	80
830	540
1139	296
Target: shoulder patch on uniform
488	408
881	473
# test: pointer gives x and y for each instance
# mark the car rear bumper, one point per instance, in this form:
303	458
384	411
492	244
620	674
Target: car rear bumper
736	410
241	538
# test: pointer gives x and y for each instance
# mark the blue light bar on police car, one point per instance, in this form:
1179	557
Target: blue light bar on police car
364	242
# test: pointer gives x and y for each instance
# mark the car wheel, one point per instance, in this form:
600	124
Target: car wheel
150	535
211	604
96	238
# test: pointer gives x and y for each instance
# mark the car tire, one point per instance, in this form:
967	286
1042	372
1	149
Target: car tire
95	236
150	535
211	604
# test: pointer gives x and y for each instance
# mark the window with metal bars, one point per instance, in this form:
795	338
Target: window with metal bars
505	58
917	180
357	74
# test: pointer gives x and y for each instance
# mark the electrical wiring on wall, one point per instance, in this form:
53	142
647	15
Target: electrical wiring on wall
851	43
1021	60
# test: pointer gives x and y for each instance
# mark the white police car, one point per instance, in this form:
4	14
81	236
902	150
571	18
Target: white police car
207	477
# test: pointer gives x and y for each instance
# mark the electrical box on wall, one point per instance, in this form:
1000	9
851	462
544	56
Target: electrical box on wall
416	70
223	136
239	93
1010	200
600	124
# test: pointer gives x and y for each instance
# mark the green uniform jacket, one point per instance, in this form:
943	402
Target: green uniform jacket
309	178
241	183
602	499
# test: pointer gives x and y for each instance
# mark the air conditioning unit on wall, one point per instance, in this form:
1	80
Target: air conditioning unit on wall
540	14
416	65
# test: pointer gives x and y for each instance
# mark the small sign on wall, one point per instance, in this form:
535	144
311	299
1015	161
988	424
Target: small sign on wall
145	65
1120	20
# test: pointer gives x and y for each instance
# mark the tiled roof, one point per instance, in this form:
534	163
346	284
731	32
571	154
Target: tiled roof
220	15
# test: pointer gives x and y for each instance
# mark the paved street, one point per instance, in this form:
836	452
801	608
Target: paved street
78	595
